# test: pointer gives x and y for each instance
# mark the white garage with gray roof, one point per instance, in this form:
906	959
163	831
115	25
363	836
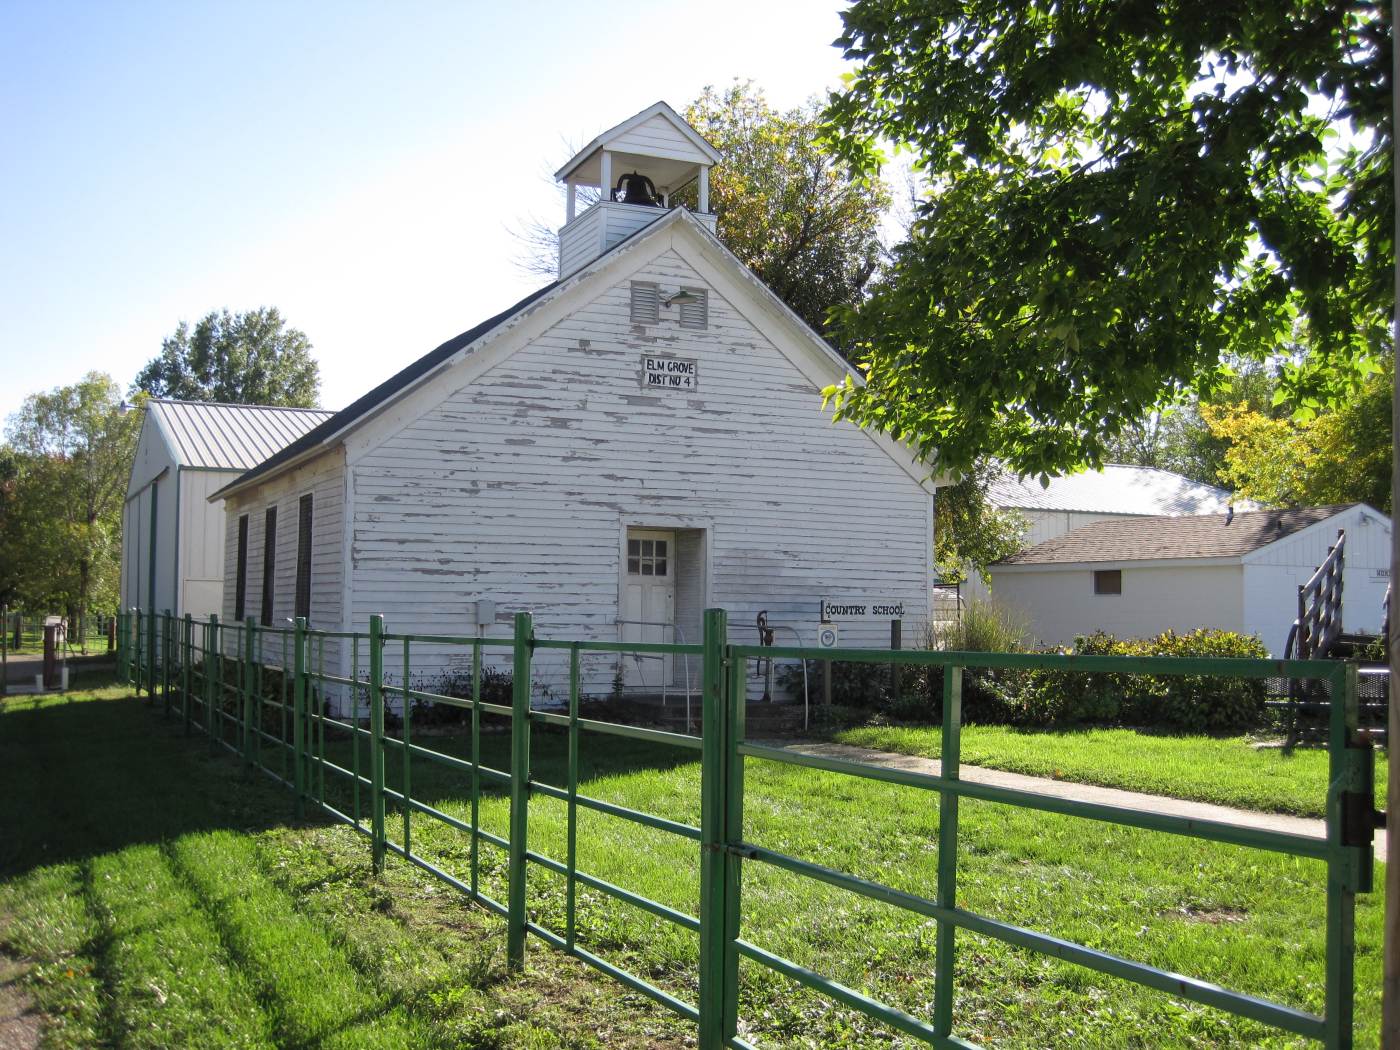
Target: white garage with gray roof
1137	577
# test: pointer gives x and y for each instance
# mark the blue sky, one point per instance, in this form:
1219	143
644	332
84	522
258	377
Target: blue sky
362	167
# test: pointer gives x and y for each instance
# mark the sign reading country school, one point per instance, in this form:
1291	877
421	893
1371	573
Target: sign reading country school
861	609
669	373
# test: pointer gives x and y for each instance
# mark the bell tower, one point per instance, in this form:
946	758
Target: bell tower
636	167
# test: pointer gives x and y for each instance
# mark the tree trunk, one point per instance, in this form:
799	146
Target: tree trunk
84	571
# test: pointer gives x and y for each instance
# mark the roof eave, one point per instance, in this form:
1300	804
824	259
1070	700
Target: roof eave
663	108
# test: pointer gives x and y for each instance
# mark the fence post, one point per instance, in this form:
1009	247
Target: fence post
299	716
151	654
214	682
376	741
896	643
1348	867
245	677
734	708
186	669
165	623
944	944
519	788
712	830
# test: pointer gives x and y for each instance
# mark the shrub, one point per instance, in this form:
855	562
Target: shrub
982	627
496	688
1194	703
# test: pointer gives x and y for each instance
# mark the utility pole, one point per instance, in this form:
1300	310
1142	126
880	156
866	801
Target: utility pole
1390	982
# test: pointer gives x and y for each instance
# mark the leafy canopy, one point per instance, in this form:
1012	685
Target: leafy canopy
251	358
1340	456
783	205
1121	192
63	474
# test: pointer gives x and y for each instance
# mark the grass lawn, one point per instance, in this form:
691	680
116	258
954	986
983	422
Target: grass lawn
164	898
1228	770
158	896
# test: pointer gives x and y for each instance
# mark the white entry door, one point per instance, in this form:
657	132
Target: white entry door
649	603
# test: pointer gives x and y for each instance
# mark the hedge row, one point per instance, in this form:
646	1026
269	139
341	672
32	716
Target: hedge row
1194	703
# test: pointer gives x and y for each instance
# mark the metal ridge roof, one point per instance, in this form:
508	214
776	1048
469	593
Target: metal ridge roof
1118	488
213	435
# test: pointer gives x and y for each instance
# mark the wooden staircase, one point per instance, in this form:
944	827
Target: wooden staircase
1317	635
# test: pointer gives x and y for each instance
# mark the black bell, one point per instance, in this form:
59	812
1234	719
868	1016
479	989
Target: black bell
636	189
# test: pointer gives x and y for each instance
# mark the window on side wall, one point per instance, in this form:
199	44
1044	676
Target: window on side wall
303	604
269	563
240	580
1108	581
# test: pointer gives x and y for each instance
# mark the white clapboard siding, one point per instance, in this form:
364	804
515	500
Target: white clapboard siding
580	242
519	486
657	137
324	478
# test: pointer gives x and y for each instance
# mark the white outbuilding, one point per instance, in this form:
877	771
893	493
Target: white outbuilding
636	441
1137	577
172	536
1116	490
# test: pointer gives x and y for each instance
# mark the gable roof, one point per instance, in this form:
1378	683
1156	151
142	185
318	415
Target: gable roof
397	382
466	343
1165	538
618	130
1116	489
209	435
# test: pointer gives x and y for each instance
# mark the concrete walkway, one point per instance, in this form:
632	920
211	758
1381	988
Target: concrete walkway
1105	796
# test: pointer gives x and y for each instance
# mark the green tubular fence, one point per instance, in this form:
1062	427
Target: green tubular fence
283	731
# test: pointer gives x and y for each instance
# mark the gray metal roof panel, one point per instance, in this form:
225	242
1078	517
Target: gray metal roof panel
1116	489
213	436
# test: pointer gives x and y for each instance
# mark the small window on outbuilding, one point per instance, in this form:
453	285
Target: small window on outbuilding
646	302
696	314
1108	581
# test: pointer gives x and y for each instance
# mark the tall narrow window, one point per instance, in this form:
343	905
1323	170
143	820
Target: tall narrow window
240	581
303	607
269	563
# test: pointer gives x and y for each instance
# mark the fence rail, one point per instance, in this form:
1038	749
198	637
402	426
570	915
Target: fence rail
264	693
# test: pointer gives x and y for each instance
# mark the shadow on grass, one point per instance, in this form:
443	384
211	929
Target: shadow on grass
81	776
600	756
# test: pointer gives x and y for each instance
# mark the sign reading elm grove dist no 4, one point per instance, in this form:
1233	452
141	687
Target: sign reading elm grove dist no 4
669	373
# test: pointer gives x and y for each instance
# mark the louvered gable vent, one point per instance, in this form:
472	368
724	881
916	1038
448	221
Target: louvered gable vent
646	302
696	314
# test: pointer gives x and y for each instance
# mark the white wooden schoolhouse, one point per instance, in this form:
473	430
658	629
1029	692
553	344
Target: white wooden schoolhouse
637	441
172	535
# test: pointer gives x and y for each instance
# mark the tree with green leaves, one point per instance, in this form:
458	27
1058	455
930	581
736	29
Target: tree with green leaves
969	532
1119	196
1342	455
251	358
784	206
68	456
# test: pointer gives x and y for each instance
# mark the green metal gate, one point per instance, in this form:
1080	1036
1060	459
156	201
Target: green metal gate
234	681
